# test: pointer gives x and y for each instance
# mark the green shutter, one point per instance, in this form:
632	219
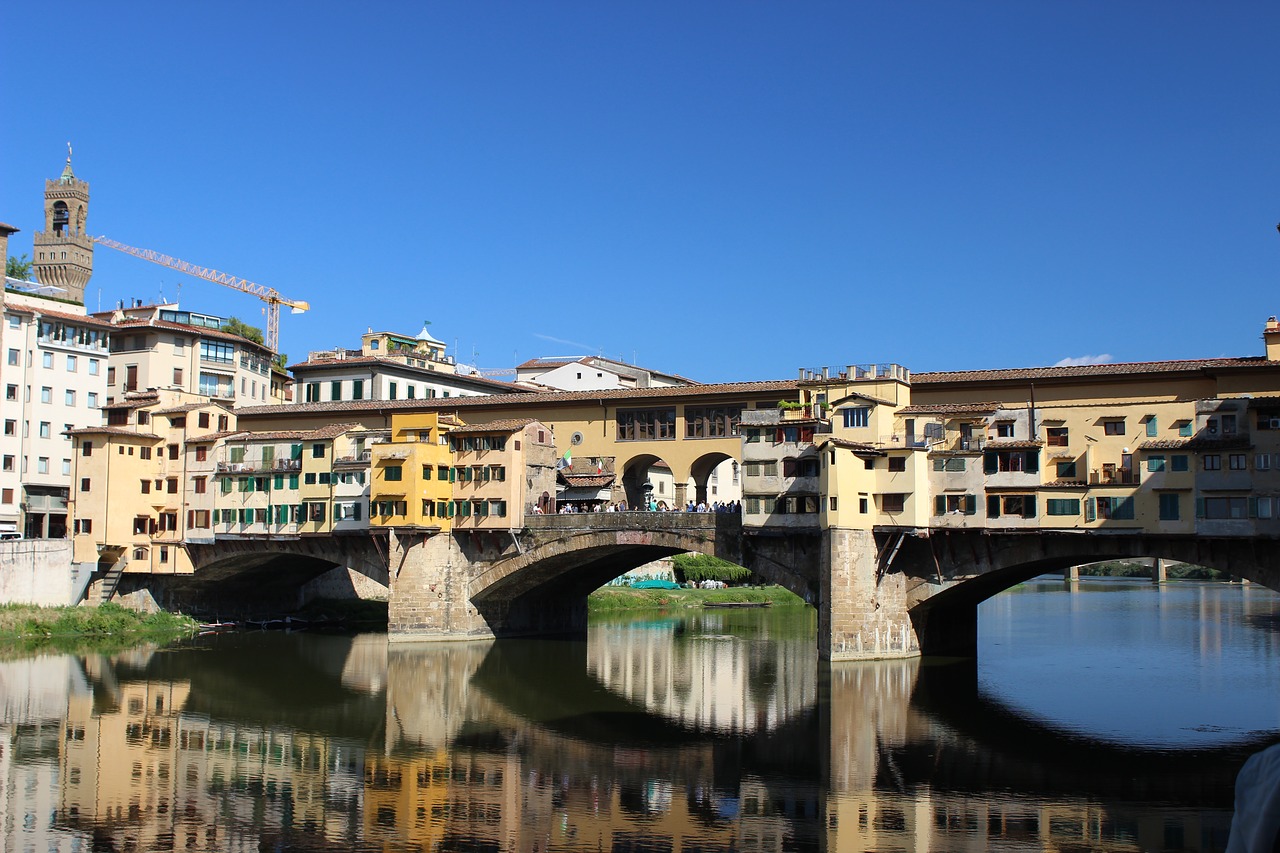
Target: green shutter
990	465
355	510
1033	461
940	505
970	504
1091	509
993	506
1199	507
1151	427
1029	506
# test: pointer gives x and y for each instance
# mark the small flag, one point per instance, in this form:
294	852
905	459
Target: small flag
566	460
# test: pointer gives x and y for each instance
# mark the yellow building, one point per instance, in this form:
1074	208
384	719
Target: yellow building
142	480
502	471
410	469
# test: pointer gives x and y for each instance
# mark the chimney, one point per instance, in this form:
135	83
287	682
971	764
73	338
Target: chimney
1271	338
5	231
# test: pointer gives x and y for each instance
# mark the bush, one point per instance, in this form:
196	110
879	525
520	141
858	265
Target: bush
701	567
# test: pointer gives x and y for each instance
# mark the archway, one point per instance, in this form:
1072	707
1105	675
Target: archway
649	482
716	478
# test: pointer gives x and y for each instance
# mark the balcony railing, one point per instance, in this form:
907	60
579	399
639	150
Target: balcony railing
898	439
1119	477
252	466
359	459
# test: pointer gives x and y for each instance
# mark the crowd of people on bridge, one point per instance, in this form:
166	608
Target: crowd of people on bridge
574	507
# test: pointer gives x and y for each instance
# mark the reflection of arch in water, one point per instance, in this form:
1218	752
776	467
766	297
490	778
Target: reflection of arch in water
704	672
979	744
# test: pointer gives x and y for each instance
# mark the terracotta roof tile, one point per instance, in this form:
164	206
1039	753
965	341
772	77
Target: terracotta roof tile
1013	444
505	425
855	446
583	481
1135	368
111	430
319	434
952	409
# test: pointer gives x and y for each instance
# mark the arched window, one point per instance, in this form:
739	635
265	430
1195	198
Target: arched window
61	217
139	553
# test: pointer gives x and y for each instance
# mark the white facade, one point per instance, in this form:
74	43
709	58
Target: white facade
593	373
53	366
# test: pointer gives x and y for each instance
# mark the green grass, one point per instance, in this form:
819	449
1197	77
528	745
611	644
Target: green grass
26	626
624	598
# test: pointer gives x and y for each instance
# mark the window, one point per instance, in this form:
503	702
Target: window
335	389
1155	464
309	478
1212	462
863	504
46	395
893	502
6	496
313	392
1066	471
1228	508
47	360
315	511
71	364
177	376
646	424
10	461
1005	461
951	505
1062	506
93	367
202	452
198	485
317	451
857	417
1151	426
10	427
92	399
392	473
86	448
14	358
391	390
357	389
1179	463
66	467
217	351
84	484
1056	436
42	465
45	431
69	398
1004	429
1023	506
713	422
1113	508
1169	506
144	486
1237	462
897	463
11	392
1262	462
1113	427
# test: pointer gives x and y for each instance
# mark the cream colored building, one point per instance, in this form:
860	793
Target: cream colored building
142	480
503	470
164	346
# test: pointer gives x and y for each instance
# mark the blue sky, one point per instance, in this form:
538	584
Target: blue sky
728	191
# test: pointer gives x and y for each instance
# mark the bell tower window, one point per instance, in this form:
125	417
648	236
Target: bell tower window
61	217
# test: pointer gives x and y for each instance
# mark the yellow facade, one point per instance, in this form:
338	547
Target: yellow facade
410	472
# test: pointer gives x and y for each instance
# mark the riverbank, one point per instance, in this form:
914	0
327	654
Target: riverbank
624	598
26	627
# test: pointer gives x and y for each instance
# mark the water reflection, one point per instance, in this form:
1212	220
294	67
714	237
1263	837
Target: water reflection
713	732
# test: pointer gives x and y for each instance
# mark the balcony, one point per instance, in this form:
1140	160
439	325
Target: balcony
260	466
1116	477
903	440
358	459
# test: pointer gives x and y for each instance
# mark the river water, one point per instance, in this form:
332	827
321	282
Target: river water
1111	716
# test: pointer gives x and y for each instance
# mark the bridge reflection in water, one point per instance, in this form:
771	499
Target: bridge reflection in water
708	733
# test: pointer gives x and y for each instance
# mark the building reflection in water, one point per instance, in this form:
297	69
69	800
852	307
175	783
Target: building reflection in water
722	735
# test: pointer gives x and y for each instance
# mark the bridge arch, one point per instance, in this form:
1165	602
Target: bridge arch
956	571
701	472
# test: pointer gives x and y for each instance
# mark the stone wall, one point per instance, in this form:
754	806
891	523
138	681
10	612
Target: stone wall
863	614
40	571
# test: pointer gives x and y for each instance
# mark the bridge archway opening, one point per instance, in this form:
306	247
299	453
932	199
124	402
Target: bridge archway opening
649	482
946	621
715	477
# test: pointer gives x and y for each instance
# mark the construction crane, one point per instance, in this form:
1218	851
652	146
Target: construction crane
268	295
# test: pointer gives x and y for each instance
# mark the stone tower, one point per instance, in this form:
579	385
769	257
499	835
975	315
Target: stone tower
63	251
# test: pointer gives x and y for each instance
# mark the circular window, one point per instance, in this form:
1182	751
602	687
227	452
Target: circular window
576	438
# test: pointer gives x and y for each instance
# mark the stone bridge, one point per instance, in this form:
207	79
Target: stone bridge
887	593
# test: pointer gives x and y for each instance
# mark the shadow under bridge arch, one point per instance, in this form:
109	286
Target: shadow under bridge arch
544	589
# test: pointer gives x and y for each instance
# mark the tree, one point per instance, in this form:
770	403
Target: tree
18	267
236	326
